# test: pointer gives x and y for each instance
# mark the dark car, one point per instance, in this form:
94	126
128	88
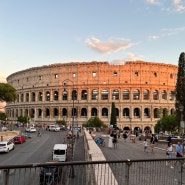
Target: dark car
19	139
50	175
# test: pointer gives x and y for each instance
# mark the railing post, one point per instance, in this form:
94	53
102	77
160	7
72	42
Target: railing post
127	166
5	176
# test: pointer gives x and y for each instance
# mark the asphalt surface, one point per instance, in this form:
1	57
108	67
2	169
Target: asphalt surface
125	150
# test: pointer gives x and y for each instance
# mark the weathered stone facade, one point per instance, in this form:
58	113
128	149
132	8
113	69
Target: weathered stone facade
140	91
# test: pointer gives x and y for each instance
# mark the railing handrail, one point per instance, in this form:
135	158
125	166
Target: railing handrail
32	165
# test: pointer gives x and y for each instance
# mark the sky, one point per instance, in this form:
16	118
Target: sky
34	33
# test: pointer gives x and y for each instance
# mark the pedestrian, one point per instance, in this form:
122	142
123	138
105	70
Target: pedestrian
170	154
152	143
125	136
145	143
179	149
115	138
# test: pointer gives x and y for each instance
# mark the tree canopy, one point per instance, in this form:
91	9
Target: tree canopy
180	87
113	119
95	122
7	93
167	123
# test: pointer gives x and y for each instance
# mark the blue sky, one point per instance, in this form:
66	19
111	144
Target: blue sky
42	32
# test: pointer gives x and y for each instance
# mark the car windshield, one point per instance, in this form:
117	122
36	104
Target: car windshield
59	152
2	144
16	138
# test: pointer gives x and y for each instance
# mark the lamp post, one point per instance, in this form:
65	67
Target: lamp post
65	84
130	125
181	109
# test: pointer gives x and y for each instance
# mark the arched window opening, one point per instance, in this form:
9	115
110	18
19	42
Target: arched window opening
136	113
65	94
55	112
104	94
27	97
47	112
115	95
74	112
146	95
164	95
40	96
155	95
136	94
146	113
55	95
47	96
104	112
83	112
74	94
33	97
94	112
126	95
84	95
126	112
64	112
94	94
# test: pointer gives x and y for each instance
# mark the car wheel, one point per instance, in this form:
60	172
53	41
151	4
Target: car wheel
13	148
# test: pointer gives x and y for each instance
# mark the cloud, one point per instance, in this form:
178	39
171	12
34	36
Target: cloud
110	46
153	37
133	57
178	5
154	2
172	31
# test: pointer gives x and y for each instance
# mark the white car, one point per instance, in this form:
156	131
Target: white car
30	129
6	146
54	128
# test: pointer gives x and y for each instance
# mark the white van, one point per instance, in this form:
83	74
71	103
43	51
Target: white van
60	152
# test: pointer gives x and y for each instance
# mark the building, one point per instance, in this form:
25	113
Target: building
141	91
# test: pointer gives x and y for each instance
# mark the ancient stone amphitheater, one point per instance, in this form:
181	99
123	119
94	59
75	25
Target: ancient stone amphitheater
75	92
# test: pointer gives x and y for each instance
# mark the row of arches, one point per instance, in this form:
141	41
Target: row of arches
55	95
83	112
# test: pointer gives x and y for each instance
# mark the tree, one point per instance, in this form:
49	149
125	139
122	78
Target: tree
167	123
7	93
61	122
3	116
113	119
180	87
23	119
95	122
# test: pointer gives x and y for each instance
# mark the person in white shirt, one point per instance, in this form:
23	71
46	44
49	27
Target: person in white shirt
145	143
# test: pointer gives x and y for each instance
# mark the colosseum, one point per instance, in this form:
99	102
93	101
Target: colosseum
77	91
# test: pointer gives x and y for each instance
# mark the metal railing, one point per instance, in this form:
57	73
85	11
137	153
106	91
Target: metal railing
127	172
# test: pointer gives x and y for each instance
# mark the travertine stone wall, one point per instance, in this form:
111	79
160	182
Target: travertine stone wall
109	81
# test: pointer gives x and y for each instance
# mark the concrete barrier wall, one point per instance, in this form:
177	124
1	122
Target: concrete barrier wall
102	172
8	135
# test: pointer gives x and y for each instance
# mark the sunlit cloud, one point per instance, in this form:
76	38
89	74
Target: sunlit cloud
154	2
170	6
109	46
133	57
153	37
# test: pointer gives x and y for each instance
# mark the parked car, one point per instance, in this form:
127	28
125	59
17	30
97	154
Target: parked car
6	146
50	175
54	128
19	139
30	129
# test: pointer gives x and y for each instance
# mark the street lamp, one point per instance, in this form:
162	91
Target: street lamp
65	84
130	125
181	109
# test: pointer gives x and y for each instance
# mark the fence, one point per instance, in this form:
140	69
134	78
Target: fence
134	172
